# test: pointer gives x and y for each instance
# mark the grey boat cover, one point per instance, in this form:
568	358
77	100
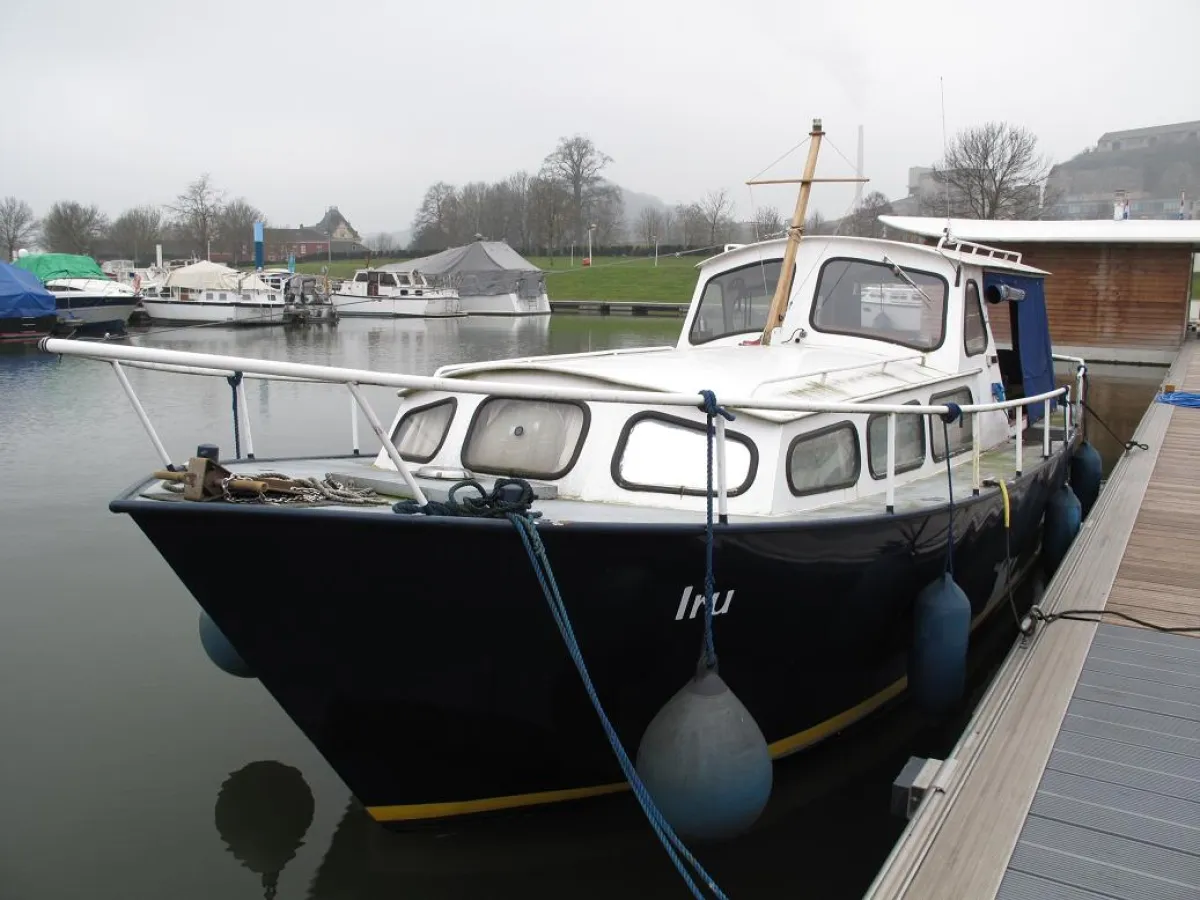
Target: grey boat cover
484	268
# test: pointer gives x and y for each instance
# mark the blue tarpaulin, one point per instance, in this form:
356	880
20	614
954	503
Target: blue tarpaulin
1031	335
22	294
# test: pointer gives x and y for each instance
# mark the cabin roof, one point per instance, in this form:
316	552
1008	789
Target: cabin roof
871	248
829	374
1087	231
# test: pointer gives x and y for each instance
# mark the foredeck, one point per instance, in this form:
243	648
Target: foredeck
1079	776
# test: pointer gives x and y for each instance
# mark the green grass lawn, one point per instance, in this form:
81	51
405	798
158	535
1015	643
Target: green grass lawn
621	278
610	278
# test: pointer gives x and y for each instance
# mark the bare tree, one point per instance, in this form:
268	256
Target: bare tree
136	231
577	164
864	220
767	222
17	225
691	224
382	243
549	209
717	209
816	224
993	171
197	211
235	229
606	210
520	233
650	226
437	219
666	231
71	227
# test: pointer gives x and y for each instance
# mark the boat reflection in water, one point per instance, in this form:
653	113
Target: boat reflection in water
263	811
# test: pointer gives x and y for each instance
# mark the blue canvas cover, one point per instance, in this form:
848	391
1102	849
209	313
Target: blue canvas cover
22	294
1033	334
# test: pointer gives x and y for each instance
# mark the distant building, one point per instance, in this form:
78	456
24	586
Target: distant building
314	240
1153	168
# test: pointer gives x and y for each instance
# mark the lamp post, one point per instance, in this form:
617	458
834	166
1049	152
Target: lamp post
654	237
591	228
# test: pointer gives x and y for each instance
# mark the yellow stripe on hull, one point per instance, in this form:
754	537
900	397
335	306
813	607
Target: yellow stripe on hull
419	811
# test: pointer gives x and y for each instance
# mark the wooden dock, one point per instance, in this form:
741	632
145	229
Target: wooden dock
619	307
1079	775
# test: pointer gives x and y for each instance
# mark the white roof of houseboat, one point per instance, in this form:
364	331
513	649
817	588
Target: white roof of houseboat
871	248
210	276
1086	231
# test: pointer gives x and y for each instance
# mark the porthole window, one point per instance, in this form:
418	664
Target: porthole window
910	442
525	438
824	460
421	431
669	455
958	432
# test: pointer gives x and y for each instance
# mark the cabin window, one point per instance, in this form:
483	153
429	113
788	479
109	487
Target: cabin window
222	296
868	299
422	430
910	442
528	438
208	295
360	277
387	279
735	302
975	338
403	279
669	455
959	432
824	460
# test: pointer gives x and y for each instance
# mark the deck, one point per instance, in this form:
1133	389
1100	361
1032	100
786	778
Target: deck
1079	775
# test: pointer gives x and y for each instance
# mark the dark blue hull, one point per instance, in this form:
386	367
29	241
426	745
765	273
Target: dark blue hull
420	658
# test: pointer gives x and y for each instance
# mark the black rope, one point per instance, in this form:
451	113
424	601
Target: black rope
508	496
708	651
1094	615
1128	445
234	380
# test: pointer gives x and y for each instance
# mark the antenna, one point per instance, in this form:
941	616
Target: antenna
945	149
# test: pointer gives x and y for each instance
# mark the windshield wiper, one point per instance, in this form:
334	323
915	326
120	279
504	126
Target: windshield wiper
900	273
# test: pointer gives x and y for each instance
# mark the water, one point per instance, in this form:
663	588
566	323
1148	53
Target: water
119	734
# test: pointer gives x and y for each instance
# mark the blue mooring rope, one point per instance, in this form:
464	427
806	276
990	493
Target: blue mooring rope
234	380
1180	398
953	414
708	657
676	849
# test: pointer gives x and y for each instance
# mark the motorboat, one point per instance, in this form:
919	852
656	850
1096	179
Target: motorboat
87	299
209	293
878	446
379	293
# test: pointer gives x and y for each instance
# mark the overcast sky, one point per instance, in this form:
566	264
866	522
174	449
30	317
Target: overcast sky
363	103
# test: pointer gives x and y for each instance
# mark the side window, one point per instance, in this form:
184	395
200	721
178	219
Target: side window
668	455
824	460
910	442
387	279
421	431
959	432
525	438
975	339
736	301
360	277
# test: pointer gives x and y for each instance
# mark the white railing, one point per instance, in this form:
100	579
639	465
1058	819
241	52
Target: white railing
217	365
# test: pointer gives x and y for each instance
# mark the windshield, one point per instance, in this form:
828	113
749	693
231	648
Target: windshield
868	299
735	302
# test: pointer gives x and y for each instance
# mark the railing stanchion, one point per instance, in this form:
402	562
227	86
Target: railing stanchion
141	413
722	490
1020	441
354	424
891	462
244	412
1046	428
975	454
388	446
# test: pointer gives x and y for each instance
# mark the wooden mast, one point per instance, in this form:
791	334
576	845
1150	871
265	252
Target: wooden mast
783	287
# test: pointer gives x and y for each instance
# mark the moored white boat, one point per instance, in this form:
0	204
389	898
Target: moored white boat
378	293
87	299
210	293
870	455
492	279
